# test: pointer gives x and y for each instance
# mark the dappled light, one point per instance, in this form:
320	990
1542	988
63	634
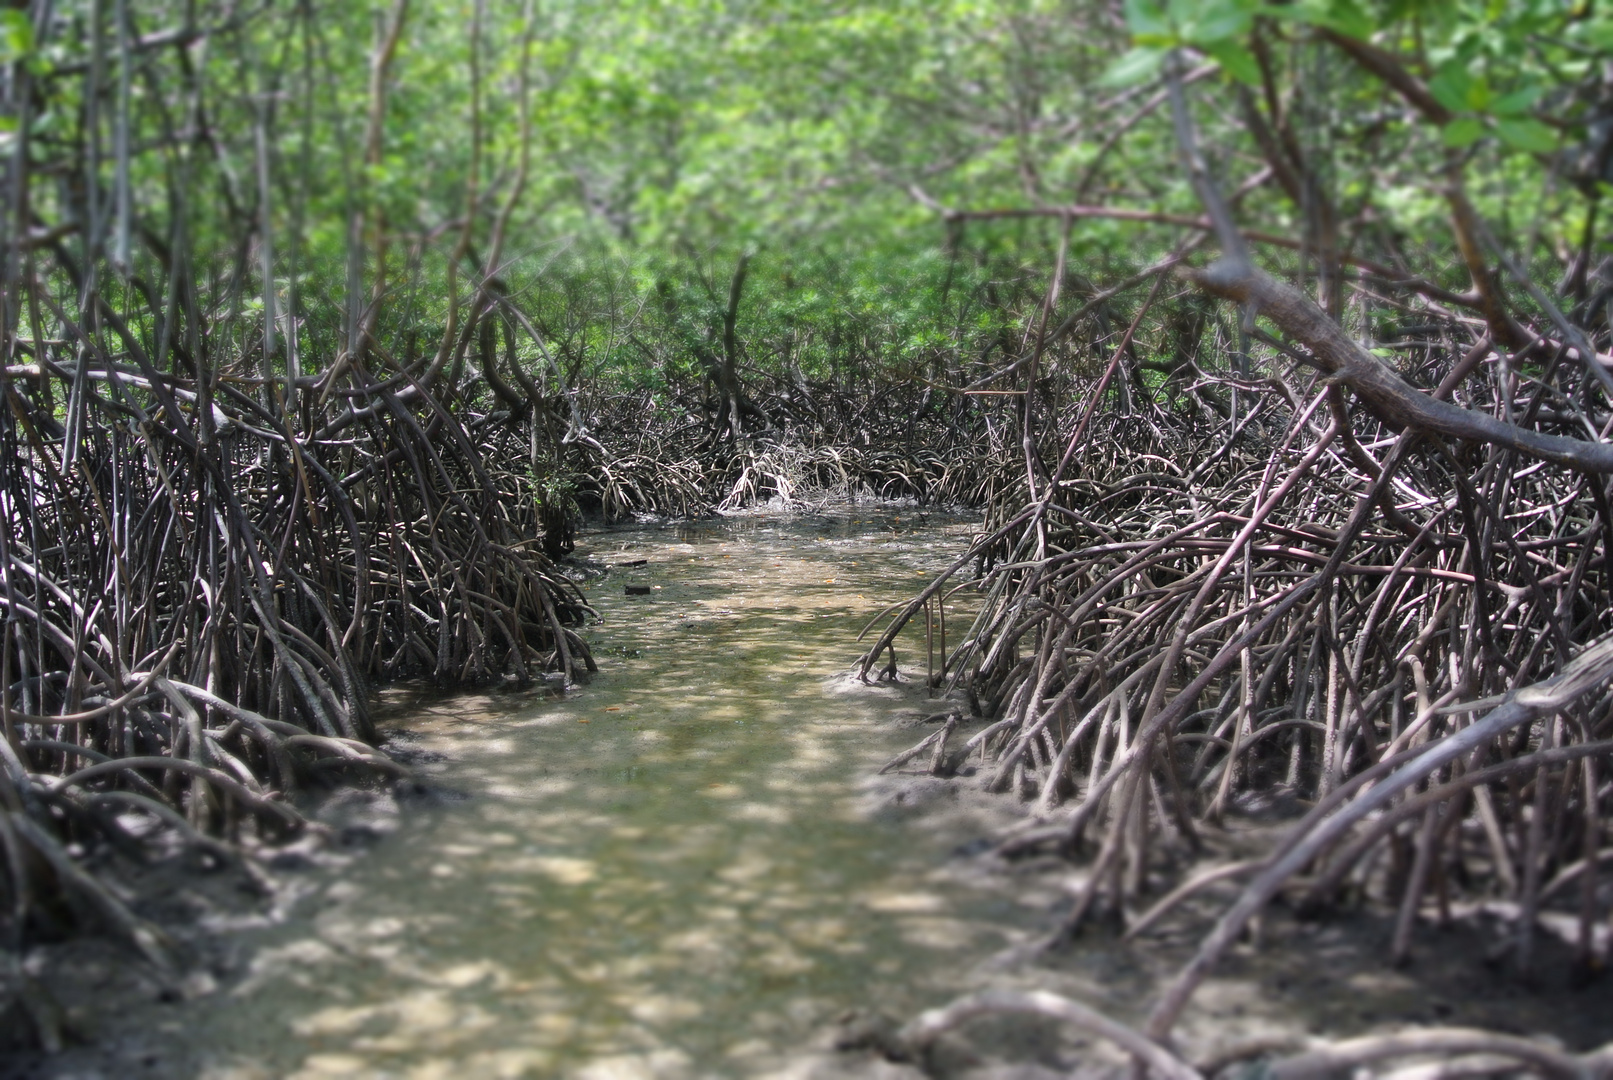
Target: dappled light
697	881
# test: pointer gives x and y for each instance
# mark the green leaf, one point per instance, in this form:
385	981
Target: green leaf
1346	17
16	35
1236	61
1463	132
1517	102
1219	20
1598	35
1450	85
1145	18
1136	66
1530	136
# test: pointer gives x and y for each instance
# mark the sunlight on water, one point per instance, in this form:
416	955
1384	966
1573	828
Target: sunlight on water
675	871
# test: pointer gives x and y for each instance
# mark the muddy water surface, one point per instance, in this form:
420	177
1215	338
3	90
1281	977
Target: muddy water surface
688	869
673	871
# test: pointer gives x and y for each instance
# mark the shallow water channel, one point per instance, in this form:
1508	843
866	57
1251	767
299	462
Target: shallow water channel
677	870
688	868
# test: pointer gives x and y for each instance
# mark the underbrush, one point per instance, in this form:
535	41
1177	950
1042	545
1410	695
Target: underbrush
1407	637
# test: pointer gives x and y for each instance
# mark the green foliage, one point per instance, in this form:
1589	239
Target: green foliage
669	137
16	36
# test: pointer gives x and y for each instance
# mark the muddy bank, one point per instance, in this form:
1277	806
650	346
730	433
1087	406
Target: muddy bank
1297	981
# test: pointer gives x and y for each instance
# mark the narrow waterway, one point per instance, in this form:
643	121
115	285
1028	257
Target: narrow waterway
688	868
677	870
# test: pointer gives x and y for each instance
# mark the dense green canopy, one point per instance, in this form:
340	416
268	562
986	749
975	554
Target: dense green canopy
618	159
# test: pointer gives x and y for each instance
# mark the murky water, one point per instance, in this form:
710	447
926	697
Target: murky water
674	871
687	869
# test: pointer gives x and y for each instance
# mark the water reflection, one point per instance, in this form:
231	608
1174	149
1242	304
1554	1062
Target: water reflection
669	873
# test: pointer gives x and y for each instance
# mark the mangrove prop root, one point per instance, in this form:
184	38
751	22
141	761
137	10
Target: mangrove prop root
931	1025
1321	1060
1301	600
202	586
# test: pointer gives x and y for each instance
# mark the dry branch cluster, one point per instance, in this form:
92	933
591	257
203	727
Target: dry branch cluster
823	442
233	503
1387	626
202	589
1386	605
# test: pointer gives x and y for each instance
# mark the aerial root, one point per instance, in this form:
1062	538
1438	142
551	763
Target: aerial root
1317	1061
1295	607
927	1027
199	607
823	445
